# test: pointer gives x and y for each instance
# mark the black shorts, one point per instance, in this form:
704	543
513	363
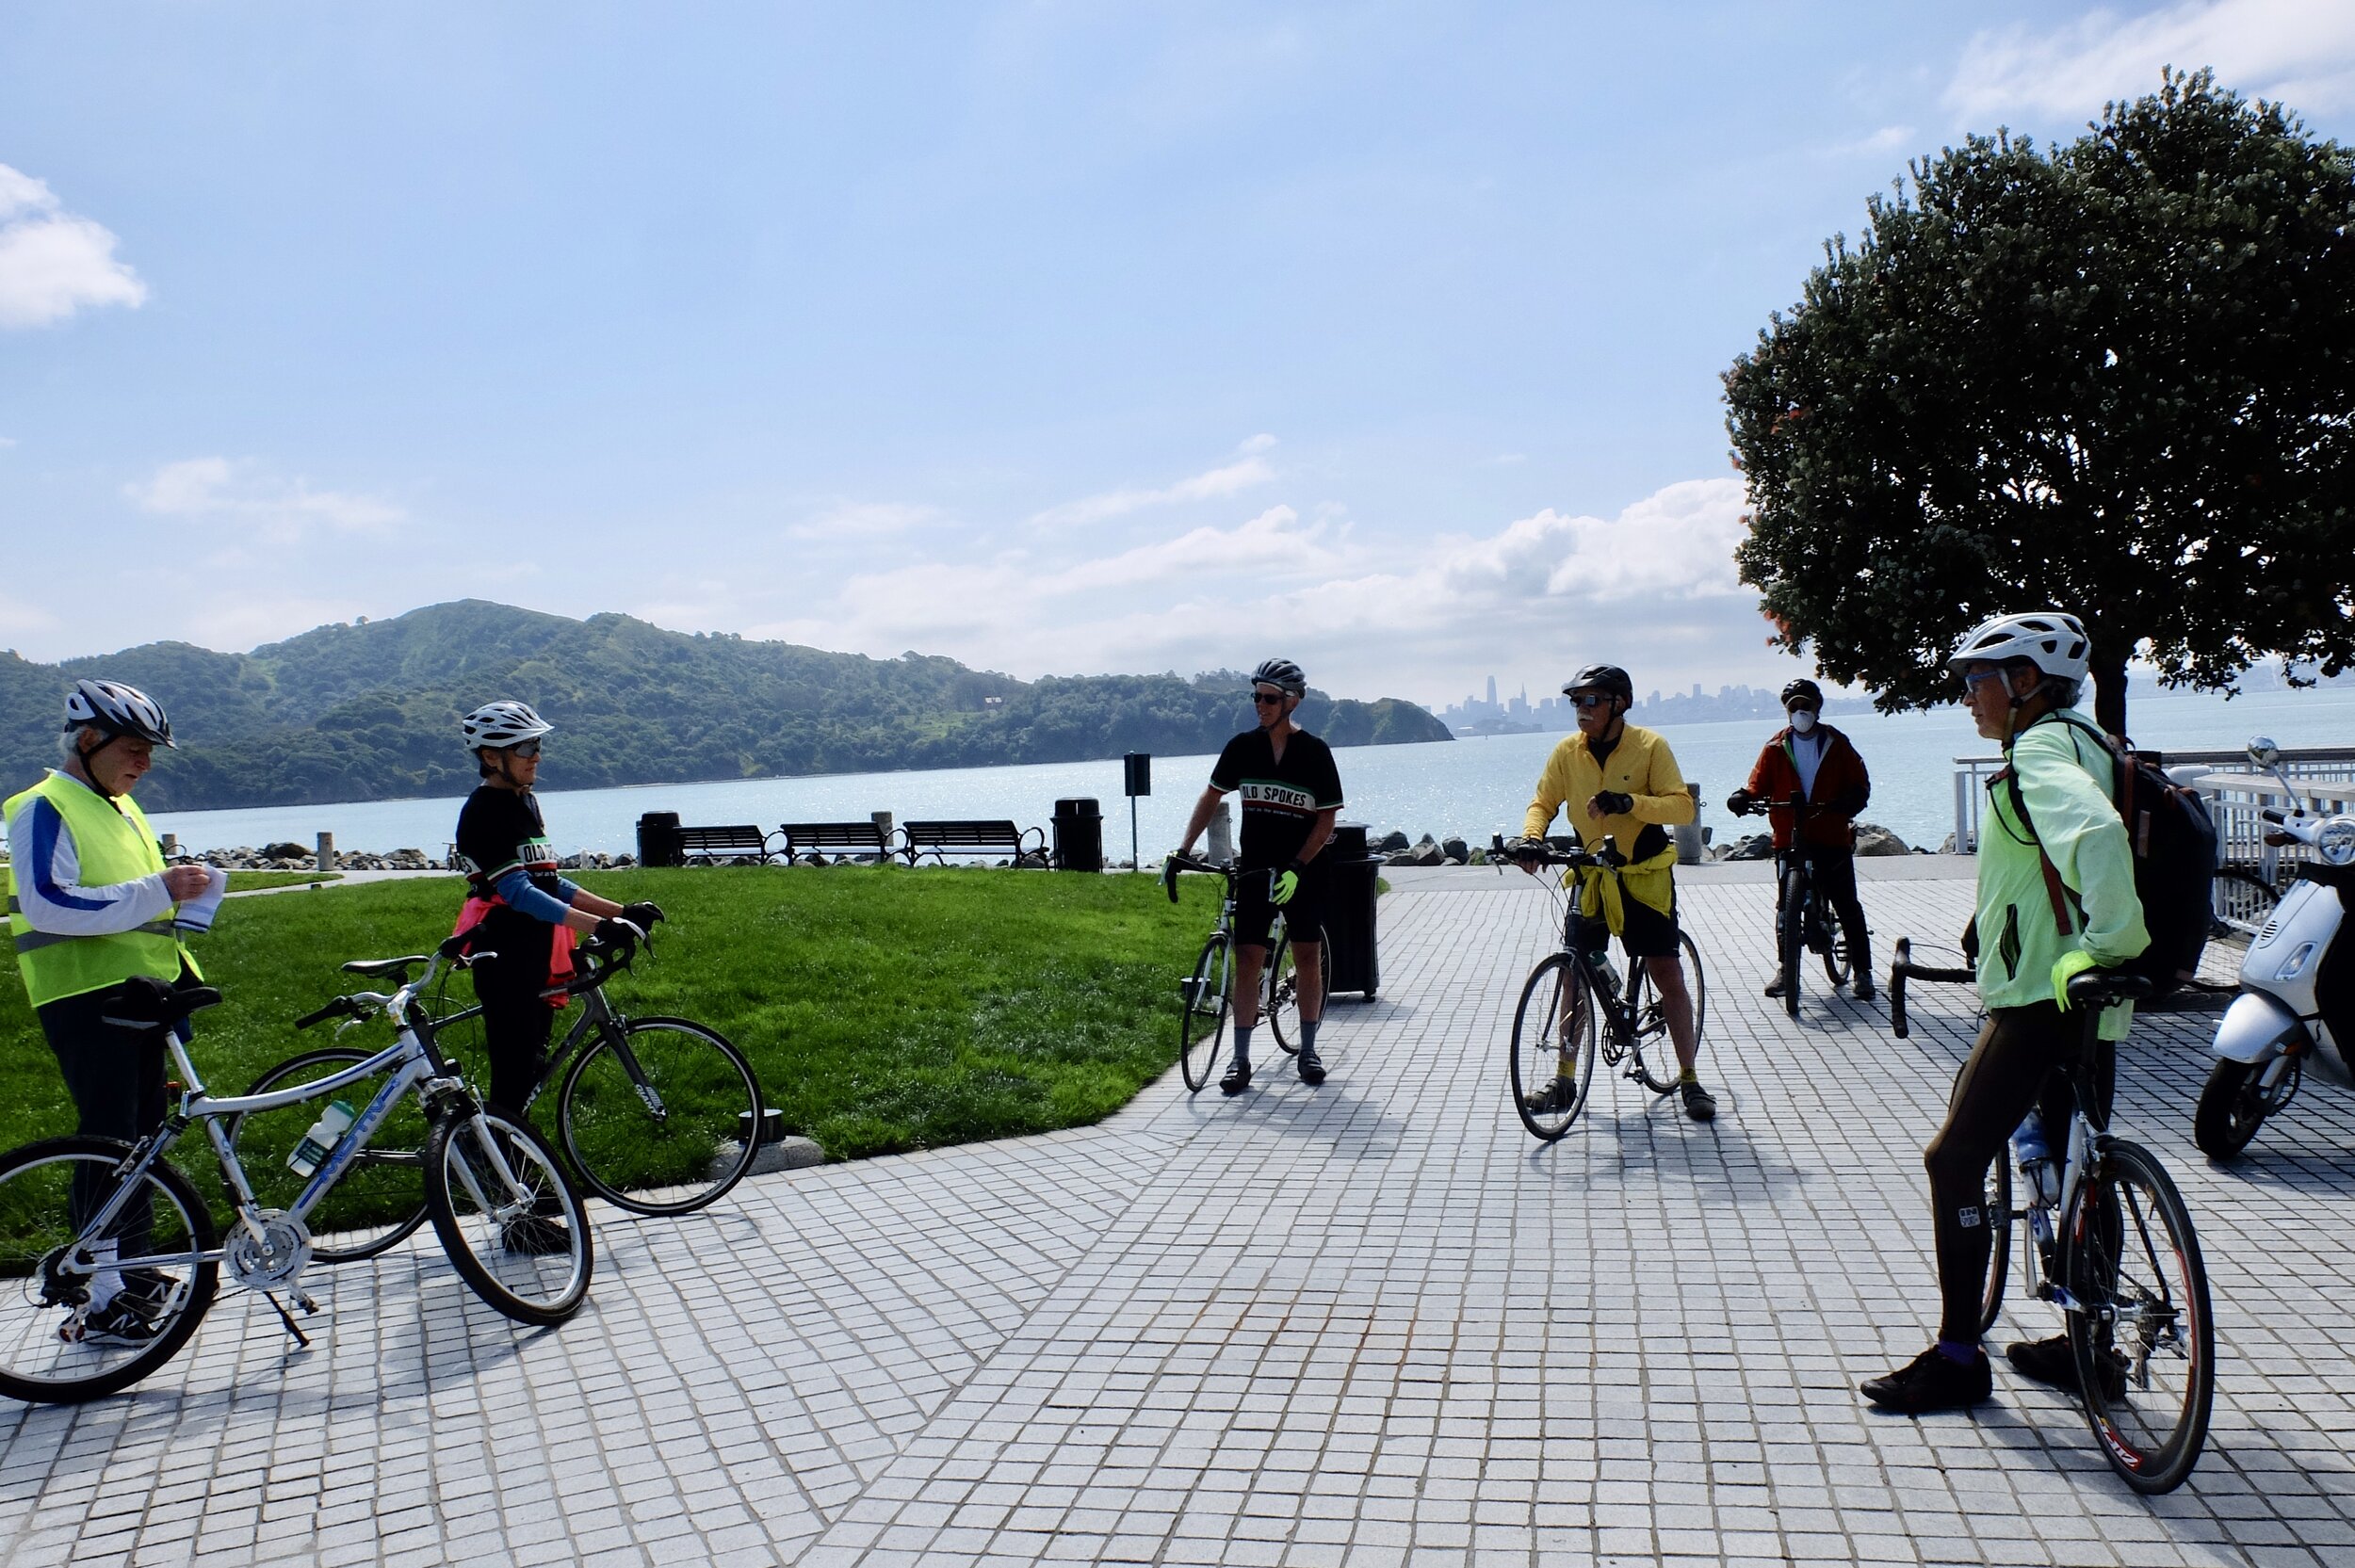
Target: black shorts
1647	934
1255	914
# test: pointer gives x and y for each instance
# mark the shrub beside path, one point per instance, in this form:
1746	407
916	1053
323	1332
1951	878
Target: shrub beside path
1361	1324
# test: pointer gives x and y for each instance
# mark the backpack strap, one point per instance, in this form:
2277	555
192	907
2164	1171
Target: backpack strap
2121	785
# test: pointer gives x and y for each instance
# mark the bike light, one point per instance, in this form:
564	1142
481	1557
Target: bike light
2335	841
2297	962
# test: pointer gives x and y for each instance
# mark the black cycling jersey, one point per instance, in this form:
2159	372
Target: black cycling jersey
499	830
1280	797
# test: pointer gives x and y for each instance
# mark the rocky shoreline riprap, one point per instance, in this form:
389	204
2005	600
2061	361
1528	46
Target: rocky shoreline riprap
294	857
1394	849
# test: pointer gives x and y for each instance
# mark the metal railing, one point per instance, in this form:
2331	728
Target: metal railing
2240	831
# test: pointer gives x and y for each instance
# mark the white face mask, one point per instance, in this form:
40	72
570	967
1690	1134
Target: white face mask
1802	720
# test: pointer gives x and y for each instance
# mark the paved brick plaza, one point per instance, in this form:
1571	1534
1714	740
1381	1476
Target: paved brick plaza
1363	1324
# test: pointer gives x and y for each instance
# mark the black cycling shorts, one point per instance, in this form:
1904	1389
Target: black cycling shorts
1254	912
1647	934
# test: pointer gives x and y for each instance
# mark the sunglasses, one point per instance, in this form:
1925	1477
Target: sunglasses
1589	700
525	749
1971	682
1267	699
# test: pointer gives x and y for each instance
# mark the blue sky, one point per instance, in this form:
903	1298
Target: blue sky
1054	337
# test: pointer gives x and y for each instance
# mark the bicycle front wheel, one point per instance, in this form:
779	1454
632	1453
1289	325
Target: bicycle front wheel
511	1224
660	1117
1282	994
2140	1324
1656	1064
1552	1068
379	1202
1791	938
60	1342
1834	949
1202	1011
1996	1216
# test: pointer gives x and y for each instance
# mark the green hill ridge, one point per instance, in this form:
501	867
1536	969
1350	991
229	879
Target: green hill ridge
369	711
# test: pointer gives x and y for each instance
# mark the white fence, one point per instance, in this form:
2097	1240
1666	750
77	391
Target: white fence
2235	795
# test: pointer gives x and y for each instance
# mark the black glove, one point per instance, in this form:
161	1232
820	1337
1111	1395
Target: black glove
1741	802
1614	803
618	931
643	915
1971	940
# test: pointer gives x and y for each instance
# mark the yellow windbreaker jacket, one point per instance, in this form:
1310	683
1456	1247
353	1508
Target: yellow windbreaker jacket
1641	766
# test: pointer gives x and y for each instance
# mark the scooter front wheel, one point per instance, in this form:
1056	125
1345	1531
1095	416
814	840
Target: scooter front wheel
2235	1103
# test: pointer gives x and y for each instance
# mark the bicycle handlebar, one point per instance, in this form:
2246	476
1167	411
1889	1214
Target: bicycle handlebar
1607	857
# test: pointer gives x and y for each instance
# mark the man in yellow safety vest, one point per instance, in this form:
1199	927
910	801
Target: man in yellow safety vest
92	908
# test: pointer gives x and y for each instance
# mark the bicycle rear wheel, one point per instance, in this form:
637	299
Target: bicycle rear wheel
661	1116
1997	1217
2141	1328
379	1200
1281	1003
1551	1067
1656	1064
510	1220
1202	1011
56	1346
1791	938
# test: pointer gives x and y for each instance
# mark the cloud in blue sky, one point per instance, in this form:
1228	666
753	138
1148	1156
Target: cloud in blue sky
53	263
2298	51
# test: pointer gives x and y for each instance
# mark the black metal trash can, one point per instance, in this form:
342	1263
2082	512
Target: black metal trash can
1079	835
1350	958
658	839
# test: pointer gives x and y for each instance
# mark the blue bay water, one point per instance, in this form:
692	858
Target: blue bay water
1472	788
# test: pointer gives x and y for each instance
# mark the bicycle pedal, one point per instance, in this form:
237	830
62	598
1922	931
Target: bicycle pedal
303	1299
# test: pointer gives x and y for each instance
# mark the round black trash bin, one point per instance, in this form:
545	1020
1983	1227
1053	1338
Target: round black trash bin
658	839
1351	962
1079	835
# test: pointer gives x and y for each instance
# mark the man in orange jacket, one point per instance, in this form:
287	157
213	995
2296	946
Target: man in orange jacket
1813	761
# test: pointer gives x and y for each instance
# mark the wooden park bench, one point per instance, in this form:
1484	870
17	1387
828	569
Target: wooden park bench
723	843
841	838
979	839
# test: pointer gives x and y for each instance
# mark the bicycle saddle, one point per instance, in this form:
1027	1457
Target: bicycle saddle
381	967
2101	987
151	1003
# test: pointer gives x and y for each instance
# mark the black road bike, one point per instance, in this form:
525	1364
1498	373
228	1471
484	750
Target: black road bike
1803	921
1204	996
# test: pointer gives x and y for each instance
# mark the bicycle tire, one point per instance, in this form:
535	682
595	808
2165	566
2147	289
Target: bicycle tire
2144	1337
698	1145
1202	1011
474	1219
1281	1005
1656	1064
1563	1029
43	1359
2240	901
1790	939
1835	949
378	1202
1997	1217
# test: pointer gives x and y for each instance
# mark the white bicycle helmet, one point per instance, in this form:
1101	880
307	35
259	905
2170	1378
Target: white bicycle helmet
2053	642
119	710
502	724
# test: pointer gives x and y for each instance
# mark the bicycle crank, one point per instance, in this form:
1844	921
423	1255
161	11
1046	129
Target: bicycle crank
269	1250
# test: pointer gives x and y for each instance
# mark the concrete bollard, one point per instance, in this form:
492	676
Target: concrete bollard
327	852
1690	850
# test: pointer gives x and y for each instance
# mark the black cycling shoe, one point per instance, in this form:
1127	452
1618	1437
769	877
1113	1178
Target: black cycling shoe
121	1321
1556	1098
1311	1065
1699	1104
1932	1381
2053	1362
532	1237
1238	1079
1774	987
1863	988
149	1288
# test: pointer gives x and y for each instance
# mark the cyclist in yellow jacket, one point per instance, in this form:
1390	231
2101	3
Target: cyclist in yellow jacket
1619	781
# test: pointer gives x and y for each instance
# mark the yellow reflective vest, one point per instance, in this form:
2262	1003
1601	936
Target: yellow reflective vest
113	843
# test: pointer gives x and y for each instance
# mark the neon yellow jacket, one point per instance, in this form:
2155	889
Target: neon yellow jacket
1642	767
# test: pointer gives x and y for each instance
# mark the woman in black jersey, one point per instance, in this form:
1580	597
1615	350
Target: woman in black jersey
517	906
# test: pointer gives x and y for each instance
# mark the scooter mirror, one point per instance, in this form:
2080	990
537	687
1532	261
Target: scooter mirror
2264	752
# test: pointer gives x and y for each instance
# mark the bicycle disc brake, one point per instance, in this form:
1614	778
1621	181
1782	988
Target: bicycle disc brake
278	1255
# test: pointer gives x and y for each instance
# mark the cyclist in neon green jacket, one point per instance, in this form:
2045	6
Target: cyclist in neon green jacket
2021	676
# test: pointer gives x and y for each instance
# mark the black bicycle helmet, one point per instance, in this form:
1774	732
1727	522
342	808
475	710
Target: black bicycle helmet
116	710
1283	674
1608	679
1804	690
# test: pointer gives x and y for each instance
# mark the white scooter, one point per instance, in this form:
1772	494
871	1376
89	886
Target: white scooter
2274	1031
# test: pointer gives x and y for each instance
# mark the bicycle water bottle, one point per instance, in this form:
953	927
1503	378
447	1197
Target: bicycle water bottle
2035	1157
1607	974
324	1135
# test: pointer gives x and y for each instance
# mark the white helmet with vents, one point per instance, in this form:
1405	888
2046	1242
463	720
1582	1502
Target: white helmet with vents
2053	642
502	724
118	709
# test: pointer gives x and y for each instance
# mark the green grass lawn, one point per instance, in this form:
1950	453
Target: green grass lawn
250	881
883	1009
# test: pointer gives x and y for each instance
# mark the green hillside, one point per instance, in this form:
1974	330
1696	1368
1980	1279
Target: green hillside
371	711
